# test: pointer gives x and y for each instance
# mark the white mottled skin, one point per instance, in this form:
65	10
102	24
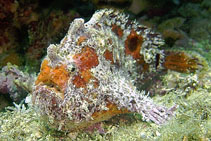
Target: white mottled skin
116	81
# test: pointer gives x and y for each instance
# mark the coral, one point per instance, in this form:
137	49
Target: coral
197	20
8	7
7	40
27	28
13	18
15	82
96	70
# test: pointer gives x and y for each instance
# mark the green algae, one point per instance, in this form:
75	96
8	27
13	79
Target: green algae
204	48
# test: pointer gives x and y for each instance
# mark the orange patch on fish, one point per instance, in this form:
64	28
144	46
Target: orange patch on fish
86	59
57	77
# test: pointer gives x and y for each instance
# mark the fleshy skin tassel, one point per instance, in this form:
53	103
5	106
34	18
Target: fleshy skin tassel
94	73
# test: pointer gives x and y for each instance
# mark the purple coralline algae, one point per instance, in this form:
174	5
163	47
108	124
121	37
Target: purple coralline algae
15	83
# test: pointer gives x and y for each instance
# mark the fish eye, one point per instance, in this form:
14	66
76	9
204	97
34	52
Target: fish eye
71	67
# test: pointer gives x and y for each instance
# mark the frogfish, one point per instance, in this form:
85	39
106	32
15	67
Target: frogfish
96	70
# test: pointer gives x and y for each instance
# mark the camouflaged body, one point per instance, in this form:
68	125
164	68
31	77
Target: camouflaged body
92	74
